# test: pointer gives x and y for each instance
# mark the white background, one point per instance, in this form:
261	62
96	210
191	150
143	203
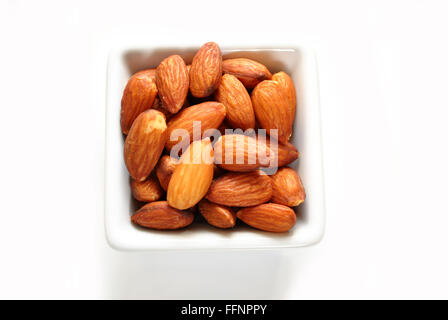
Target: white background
383	69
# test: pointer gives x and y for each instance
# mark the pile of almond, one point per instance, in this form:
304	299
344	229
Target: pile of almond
195	143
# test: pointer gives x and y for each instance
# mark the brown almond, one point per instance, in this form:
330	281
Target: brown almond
283	153
248	71
172	82
144	143
288	85
272	109
158	105
287	188
192	177
234	96
209	114
240	189
159	215
138	96
206	70
165	169
149	72
148	190
241	153
268	217
217	215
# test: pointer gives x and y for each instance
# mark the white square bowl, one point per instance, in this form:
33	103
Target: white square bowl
121	234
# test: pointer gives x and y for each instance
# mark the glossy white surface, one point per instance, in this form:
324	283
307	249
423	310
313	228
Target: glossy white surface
297	61
383	76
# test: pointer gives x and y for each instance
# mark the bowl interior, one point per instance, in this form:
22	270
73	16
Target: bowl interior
120	205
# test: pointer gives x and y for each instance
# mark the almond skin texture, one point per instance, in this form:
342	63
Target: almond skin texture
248	71
150	72
144	144
157	105
288	85
272	109
192	177
165	169
284	153
217	215
146	191
159	215
287	188
206	70
241	189
233	95
241	153
210	114
172	82
138	96
268	217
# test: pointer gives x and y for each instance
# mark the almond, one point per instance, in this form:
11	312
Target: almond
217	215
149	72
287	188
165	169
234	96
284	153
144	143
241	153
158	105
172	82
288	85
138	96
240	189
272	109
248	71
209	114
206	70
146	191
193	176
268	217
159	215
